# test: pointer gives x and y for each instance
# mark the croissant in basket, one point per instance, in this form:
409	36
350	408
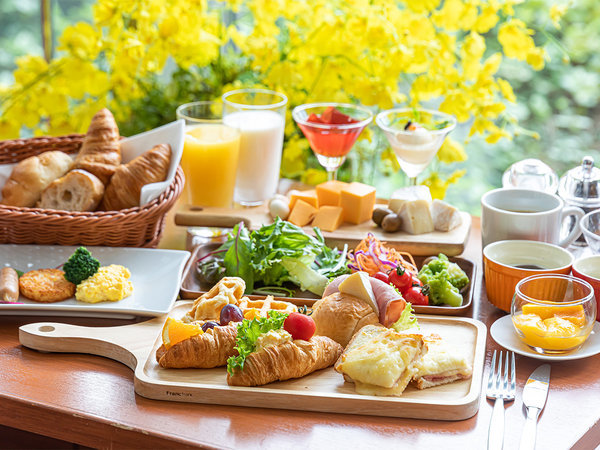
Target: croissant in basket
124	189
100	153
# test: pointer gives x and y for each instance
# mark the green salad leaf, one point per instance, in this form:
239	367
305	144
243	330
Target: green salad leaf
281	252
407	319
248	333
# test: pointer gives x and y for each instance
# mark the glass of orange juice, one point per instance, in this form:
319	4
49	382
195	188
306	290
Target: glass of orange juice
210	155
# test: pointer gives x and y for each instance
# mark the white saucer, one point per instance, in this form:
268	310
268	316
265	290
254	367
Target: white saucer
503	332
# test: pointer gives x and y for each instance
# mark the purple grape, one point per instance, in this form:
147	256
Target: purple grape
231	313
208	325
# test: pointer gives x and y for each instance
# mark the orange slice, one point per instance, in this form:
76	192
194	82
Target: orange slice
175	331
573	313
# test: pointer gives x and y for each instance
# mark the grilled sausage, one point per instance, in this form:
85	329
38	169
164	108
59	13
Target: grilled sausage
9	285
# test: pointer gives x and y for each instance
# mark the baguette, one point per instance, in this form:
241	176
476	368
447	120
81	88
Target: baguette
32	175
78	190
281	362
203	351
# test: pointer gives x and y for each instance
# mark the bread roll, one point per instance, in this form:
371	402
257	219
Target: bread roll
124	188
78	190
100	152
32	175
339	316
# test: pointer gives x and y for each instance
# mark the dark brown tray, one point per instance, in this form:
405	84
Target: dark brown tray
191	288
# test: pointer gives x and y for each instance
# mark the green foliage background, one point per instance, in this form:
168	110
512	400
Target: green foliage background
561	102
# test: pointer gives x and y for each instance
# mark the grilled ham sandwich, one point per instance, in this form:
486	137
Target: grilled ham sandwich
381	361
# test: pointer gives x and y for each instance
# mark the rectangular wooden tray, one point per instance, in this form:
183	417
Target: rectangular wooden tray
192	288
451	243
325	390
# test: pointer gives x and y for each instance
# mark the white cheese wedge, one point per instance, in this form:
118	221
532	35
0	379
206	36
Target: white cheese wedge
445	217
359	286
416	217
408	194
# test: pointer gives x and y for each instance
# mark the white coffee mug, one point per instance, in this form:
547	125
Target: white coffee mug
526	214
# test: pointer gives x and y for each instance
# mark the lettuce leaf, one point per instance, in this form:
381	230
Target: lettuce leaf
248	333
407	320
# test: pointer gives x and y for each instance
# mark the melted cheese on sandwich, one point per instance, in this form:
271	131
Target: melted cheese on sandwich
380	361
442	364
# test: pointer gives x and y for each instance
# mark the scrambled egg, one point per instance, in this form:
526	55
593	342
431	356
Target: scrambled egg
272	337
110	283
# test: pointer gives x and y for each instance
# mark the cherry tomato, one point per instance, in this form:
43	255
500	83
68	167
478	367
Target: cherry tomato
415	280
400	278
382	276
417	295
299	326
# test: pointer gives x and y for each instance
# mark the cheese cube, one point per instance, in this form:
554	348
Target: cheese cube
329	218
407	194
328	193
416	217
309	197
358	201
445	217
358	285
302	213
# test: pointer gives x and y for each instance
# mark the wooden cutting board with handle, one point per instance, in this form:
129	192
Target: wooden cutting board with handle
325	390
452	242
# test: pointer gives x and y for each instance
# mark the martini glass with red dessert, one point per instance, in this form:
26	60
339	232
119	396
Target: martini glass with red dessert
331	130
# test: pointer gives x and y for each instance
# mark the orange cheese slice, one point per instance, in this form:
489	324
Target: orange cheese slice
329	218
357	200
302	213
309	197
329	193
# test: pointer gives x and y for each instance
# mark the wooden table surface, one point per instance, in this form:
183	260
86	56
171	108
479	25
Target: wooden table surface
90	400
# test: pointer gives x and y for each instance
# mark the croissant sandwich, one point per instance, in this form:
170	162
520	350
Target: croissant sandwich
269	352
206	336
201	351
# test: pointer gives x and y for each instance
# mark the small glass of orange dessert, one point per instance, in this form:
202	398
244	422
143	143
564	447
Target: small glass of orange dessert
553	314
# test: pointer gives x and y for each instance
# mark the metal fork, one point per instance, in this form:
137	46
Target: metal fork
501	390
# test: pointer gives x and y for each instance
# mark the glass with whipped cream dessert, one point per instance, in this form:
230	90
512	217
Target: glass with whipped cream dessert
415	135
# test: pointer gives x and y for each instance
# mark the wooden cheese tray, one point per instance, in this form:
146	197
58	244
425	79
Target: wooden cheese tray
451	243
325	390
192	287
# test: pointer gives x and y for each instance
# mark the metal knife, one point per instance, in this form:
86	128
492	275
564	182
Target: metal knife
535	393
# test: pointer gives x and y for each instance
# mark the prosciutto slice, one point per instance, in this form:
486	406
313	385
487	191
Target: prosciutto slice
390	302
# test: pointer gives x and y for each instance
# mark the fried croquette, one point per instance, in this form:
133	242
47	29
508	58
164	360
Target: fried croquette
46	285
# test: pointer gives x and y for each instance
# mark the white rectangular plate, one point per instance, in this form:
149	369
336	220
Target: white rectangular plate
155	274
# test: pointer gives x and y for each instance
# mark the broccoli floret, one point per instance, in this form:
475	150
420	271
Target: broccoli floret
441	290
80	266
457	276
445	279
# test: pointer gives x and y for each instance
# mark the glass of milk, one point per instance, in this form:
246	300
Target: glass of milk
259	115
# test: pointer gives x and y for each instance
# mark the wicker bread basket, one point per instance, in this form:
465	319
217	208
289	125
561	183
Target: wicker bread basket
134	227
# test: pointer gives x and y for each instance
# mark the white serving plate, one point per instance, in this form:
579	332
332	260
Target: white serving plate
155	274
503	332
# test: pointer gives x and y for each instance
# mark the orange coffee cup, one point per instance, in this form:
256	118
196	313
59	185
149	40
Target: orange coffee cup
588	269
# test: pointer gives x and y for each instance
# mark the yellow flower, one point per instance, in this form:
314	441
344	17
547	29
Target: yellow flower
314	176
516	39
488	18
439	186
451	152
471	53
536	58
506	90
81	40
9	129
556	14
